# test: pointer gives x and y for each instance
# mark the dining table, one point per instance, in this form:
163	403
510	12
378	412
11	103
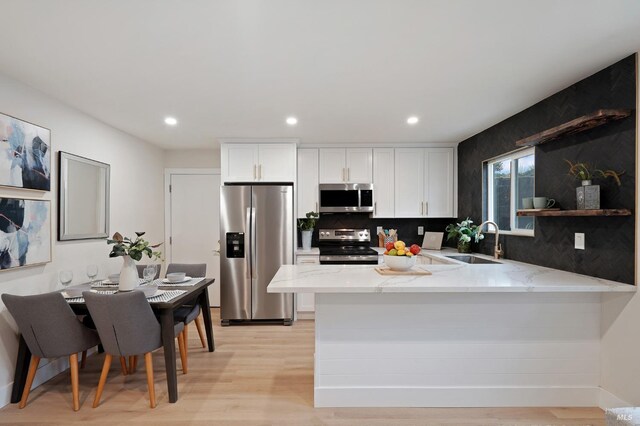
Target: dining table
178	295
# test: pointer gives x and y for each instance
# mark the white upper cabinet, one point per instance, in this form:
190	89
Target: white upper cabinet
424	182
409	182
383	182
439	182
268	162
339	165
307	181
277	162
359	165
239	162
332	165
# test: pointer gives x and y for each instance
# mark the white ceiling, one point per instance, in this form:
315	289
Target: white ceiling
350	70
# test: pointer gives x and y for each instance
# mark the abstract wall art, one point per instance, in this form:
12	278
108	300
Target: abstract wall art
25	154
25	232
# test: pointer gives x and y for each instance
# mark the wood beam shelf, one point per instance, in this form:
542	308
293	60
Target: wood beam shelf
586	122
575	213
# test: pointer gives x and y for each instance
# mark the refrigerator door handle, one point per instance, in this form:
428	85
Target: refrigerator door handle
254	251
248	253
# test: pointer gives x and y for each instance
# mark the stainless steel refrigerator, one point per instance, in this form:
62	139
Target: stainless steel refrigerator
256	230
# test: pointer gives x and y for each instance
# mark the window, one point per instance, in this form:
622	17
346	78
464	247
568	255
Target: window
509	179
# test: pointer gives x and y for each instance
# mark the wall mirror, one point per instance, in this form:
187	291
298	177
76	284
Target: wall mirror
83	198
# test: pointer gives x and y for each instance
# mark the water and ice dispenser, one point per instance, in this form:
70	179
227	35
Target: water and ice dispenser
235	244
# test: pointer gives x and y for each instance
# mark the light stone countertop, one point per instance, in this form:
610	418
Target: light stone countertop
508	276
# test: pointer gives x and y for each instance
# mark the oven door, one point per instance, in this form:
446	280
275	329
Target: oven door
348	260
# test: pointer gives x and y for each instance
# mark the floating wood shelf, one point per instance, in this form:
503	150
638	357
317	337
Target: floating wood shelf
580	124
601	212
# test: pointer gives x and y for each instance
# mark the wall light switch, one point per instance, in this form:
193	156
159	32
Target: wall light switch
420	230
379	230
579	242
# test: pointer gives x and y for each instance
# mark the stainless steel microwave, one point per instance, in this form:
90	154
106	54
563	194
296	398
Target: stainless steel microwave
346	198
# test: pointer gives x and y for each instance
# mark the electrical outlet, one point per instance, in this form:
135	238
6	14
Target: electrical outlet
379	230
579	241
420	230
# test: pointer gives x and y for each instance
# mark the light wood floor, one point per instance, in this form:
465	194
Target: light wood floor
258	375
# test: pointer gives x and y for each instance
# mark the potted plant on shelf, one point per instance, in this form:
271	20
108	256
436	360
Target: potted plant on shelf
588	195
306	228
464	232
131	251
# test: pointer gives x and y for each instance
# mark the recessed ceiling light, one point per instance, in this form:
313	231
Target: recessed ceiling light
292	121
412	120
170	121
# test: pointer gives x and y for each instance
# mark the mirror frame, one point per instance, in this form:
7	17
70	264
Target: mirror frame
63	157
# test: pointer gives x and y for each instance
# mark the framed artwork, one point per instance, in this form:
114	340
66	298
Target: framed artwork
25	154
25	232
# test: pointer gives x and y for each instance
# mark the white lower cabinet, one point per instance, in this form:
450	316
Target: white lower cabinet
306	301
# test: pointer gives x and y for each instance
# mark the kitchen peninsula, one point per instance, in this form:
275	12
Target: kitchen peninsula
508	334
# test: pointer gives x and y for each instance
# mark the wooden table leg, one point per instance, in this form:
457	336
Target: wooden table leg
22	368
169	344
206	316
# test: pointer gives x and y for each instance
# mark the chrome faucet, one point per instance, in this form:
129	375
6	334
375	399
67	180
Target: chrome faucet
497	249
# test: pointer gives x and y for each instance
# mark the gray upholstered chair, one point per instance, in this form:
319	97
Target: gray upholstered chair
127	327
51	330
187	314
141	270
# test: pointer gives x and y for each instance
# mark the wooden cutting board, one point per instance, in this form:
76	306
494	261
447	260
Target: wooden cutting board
388	271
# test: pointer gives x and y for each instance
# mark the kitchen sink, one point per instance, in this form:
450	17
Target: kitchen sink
474	260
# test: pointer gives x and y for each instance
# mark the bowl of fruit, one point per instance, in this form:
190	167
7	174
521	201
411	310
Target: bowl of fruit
399	257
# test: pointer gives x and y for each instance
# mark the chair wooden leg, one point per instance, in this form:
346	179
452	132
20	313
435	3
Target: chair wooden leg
33	367
148	362
203	339
83	362
73	366
123	365
103	379
185	331
182	344
133	363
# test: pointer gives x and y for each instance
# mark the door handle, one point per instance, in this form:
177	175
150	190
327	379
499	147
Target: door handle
247	235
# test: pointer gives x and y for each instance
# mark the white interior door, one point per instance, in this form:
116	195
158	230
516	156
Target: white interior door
195	225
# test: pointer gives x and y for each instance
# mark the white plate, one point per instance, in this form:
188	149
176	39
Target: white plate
166	281
109	282
150	291
71	293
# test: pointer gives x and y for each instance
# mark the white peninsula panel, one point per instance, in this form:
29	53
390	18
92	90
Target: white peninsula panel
499	335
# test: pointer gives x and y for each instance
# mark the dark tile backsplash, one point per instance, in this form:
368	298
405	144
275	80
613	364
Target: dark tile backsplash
610	241
407	228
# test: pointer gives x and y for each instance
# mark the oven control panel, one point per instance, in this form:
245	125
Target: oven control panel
344	235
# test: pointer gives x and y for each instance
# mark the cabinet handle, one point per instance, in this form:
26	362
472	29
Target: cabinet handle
348	174
426	208
316	210
259	171
375	207
343	174
254	172
421	208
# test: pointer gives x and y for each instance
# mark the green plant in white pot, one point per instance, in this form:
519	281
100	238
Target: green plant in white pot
131	251
306	228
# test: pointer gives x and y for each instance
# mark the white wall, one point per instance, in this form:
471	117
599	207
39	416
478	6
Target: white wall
136	204
192	158
620	357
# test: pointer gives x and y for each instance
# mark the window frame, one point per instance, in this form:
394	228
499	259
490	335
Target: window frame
488	192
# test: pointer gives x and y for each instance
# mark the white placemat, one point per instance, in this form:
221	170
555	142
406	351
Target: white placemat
190	283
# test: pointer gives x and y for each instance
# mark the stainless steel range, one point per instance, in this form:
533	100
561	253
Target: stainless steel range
346	247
